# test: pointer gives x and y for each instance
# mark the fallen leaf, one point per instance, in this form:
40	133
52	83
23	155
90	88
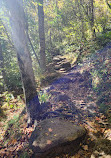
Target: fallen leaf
46	134
50	129
49	141
14	141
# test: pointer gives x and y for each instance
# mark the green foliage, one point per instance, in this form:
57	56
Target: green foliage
25	155
14	80
13	121
12	129
43	97
103	107
1	84
104	38
19	98
9	97
101	78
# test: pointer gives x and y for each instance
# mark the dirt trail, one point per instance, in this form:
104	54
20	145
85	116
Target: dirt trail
72	94
73	97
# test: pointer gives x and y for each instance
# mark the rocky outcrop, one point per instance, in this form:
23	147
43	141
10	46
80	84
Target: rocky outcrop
61	64
56	136
58	66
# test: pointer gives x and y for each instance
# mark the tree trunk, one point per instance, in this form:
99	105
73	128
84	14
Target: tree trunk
92	18
19	36
82	20
89	11
41	35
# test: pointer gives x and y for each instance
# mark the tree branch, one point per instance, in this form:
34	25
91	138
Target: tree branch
8	36
33	49
109	5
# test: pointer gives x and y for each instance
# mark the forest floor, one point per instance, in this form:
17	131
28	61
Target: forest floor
73	97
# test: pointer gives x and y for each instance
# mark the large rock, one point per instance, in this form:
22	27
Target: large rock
56	136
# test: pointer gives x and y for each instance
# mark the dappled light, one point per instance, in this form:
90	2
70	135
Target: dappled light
55	79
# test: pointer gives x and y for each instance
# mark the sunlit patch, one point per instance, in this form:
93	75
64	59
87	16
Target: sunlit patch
49	142
34	143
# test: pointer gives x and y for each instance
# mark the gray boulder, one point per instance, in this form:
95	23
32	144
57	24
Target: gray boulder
56	136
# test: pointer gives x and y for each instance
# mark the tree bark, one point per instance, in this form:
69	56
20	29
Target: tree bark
82	20
92	17
89	11
41	35
19	36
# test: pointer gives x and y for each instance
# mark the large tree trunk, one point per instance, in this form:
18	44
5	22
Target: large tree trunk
19	36
41	35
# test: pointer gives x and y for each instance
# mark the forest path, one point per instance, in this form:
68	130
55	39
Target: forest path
72	94
73	97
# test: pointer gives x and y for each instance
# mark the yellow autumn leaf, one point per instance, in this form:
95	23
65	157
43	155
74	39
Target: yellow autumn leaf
46	134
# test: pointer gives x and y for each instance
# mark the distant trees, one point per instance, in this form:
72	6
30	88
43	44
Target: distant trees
8	63
78	20
37	25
